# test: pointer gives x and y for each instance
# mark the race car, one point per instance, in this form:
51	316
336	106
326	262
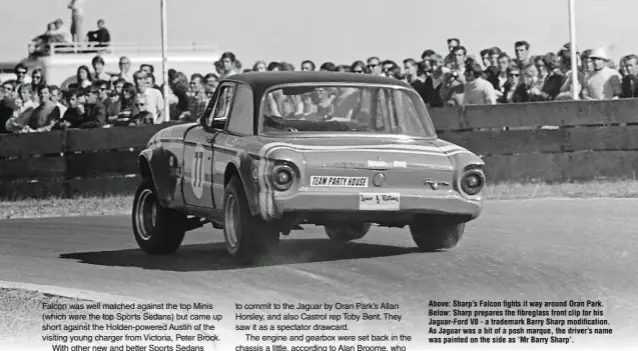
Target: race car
274	151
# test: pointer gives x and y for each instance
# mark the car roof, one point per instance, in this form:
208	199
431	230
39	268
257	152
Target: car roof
264	80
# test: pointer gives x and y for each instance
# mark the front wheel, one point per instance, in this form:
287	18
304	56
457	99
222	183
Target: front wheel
347	231
158	230
248	238
436	234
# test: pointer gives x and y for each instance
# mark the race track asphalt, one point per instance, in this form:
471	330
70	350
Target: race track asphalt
535	250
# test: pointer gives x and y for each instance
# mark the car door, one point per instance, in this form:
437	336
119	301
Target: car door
239	124
198	160
216	117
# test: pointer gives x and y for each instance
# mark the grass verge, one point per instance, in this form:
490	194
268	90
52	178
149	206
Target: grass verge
114	205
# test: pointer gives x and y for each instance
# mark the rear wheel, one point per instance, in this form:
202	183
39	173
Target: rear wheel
248	238
436	233
158	230
347	230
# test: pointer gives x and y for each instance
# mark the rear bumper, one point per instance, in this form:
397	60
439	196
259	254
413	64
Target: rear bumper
348	201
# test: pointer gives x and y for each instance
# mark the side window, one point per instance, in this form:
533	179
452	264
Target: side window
220	107
224	102
241	118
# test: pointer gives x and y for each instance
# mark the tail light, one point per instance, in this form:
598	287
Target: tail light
472	182
283	177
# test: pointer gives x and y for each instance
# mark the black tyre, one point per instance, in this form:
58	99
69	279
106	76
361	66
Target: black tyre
347	231
436	234
248	238
157	230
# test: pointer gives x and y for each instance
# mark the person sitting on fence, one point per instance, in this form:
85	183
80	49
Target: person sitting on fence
73	117
23	106
94	115
100	37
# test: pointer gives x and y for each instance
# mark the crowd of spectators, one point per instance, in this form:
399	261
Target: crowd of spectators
453	78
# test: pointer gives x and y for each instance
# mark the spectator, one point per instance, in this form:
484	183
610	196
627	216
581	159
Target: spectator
125	69
77	19
212	81
587	65
260	66
521	48
147	68
427	55
178	90
374	66
415	76
511	85
56	97
22	109
453	82
528	89
45	115
61	33
553	80
452	44
72	117
478	91
387	66
358	67
435	72
101	36
410	68
273	67
490	61
328	66
228	65
630	73
37	80
103	91
142	114
122	109
308	65
486	58
154	100
118	85
198	101
6	105
83	76
20	71
604	83
98	68
343	68
286	66
93	112
504	63
153	84
495	53
565	64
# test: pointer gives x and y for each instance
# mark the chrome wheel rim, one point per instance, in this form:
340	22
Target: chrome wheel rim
146	214
231	216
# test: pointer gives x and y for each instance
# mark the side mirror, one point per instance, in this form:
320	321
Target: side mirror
219	123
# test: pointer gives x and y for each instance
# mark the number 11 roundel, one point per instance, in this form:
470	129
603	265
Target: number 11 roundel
198	170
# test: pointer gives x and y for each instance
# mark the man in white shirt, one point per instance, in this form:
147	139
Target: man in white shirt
603	83
154	98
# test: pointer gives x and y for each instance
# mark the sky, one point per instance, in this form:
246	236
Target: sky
340	31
